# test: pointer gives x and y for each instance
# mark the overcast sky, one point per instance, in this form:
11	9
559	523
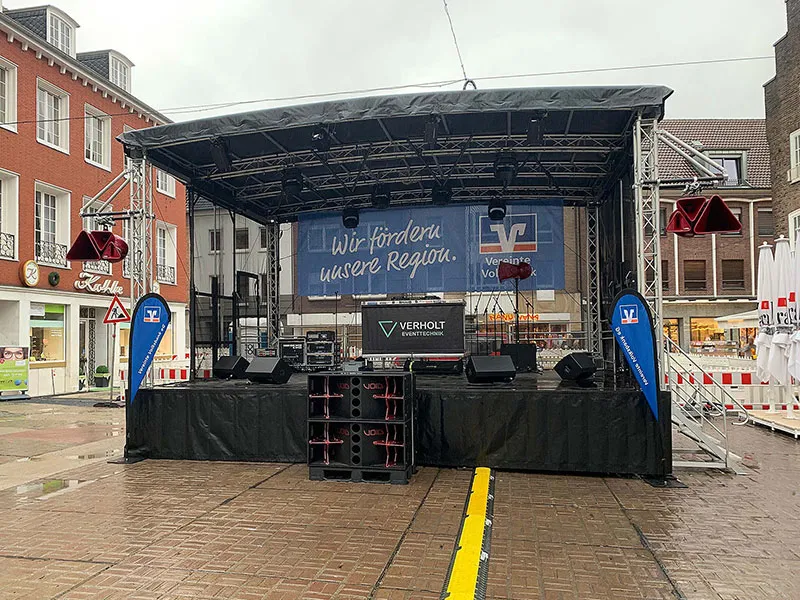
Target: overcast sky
190	52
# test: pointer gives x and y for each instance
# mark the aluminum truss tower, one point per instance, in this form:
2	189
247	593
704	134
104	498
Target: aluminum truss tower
594	330
140	255
271	280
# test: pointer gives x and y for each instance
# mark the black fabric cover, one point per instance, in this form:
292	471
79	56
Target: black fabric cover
509	426
404	105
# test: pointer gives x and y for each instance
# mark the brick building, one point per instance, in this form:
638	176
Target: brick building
60	112
782	99
710	276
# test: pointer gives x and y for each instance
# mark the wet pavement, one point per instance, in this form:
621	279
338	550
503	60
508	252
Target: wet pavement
76	527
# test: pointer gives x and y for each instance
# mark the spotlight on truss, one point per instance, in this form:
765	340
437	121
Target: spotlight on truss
441	194
431	126
381	198
220	155
505	168
536	129
350	217
292	181
321	139
497	209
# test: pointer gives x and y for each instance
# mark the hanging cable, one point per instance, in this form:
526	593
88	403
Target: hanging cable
458	50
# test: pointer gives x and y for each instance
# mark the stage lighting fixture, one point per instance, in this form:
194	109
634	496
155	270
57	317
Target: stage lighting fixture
350	217
292	181
431	126
381	198
535	136
497	209
441	195
220	156
505	168
321	139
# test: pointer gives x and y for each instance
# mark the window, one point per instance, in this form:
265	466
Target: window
165	253
48	342
244	287
215	240
119	73
98	138
663	218
263	235
737	212
52	116
733	274
665	275
794	228
165	183
694	275
705	330
9	203
733	167
766	223
794	157
59	33
242	239
8	95
51	227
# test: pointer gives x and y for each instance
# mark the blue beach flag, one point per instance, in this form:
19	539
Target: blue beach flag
148	326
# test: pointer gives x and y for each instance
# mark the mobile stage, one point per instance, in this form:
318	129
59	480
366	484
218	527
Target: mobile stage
537	154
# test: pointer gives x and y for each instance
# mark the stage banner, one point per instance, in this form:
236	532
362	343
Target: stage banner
148	326
412	329
632	324
14	365
430	249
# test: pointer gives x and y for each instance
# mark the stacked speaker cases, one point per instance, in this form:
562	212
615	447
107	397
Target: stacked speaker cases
361	426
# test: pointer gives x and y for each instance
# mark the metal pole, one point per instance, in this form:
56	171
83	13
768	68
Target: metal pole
234	291
516	323
191	197
113	355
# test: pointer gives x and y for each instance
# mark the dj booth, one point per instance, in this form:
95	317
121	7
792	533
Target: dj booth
535	423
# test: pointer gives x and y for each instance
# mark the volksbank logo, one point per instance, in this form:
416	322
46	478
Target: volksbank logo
517	233
413	328
388	327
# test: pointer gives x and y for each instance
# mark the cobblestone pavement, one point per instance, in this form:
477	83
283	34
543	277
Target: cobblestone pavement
76	527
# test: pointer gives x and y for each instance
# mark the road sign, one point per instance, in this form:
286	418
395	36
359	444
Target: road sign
116	313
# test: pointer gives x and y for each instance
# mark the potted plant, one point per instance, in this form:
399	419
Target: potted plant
101	376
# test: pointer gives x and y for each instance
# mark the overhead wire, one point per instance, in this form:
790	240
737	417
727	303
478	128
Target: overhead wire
455	40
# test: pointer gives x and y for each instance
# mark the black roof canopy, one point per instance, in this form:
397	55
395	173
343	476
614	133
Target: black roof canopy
566	142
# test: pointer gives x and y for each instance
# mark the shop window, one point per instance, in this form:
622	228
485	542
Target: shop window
694	275
766	223
671	330
704	329
733	274
48	339
166	349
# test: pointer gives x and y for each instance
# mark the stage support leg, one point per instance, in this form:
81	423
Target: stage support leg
594	342
191	199
648	244
272	283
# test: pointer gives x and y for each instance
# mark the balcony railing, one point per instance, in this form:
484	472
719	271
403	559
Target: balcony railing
7	245
50	253
165	273
97	266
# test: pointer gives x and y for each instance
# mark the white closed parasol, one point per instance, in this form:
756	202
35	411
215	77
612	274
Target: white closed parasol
765	320
782	273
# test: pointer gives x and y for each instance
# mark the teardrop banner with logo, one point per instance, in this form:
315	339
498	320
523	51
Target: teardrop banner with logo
632	324
148	326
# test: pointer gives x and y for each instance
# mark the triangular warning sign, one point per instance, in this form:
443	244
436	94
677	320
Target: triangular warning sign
116	313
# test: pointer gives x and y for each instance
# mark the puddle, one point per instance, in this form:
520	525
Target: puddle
49	488
106	454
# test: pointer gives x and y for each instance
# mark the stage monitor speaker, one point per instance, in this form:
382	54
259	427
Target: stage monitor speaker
269	370
523	355
434	367
230	367
490	369
577	366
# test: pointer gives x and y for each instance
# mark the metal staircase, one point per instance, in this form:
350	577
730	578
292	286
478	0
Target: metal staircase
699	413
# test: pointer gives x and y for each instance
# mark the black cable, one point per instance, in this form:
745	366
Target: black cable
455	41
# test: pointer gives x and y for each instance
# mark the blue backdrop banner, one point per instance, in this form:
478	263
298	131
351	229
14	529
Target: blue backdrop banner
148	325
632	324
432	249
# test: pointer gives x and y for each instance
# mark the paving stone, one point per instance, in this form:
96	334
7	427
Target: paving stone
26	578
421	563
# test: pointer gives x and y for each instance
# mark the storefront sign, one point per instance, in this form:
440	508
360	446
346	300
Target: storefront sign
633	329
430	249
413	329
510	317
91	283
14	364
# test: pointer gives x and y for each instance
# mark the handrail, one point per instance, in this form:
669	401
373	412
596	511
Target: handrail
740	407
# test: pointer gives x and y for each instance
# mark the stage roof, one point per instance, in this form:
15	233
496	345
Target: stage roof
578	145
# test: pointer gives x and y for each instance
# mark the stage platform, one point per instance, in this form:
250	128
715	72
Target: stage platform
776	422
535	423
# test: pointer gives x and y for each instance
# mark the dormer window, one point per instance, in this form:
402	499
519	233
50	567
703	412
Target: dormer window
61	34
119	74
734	164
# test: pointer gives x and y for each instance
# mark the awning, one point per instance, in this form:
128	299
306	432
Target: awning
748	319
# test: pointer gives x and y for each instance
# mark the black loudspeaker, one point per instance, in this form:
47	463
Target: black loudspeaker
523	355
269	370
490	369
434	367
230	367
576	366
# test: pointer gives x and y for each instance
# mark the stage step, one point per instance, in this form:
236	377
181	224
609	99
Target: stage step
394	476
